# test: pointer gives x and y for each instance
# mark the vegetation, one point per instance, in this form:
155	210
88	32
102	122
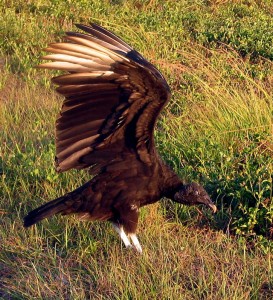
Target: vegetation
217	129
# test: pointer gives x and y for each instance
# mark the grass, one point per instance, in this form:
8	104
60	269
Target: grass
217	130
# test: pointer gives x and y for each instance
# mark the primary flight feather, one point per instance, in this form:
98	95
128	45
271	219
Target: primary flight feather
113	97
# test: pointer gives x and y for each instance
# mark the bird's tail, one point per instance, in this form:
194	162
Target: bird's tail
66	204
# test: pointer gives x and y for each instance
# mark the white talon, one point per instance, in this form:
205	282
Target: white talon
123	236
135	242
125	239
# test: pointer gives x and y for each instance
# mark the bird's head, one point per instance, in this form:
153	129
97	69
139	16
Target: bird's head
192	194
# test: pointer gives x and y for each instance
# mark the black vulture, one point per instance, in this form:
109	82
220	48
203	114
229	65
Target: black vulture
113	97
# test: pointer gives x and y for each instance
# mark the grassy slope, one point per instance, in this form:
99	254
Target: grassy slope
216	110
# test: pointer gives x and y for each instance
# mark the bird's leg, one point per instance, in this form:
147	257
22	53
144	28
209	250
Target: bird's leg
135	242
126	222
119	229
122	234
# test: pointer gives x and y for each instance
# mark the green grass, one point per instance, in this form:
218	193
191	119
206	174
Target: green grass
217	130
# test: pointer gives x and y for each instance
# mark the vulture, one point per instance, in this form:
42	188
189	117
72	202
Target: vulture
112	99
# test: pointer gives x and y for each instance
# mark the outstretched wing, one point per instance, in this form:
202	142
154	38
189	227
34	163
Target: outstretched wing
112	99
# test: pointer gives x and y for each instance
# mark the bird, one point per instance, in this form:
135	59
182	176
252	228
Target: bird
112	99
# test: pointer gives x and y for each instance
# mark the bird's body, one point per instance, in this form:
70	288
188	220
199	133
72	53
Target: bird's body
113	97
115	194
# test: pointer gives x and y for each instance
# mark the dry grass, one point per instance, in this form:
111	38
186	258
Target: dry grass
177	260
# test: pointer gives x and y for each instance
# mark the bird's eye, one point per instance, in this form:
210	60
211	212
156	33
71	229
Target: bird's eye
196	193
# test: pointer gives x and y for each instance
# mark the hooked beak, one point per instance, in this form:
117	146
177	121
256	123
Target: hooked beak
210	204
212	207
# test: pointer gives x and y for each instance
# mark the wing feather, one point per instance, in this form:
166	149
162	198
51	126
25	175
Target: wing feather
85	78
95	40
105	36
113	97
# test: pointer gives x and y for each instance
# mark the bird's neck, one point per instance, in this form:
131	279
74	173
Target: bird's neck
171	182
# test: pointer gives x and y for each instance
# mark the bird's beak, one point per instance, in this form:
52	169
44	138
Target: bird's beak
212	207
210	204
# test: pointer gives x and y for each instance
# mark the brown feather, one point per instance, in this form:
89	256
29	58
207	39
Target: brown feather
105	36
95	40
73	130
71	53
71	90
83	50
85	78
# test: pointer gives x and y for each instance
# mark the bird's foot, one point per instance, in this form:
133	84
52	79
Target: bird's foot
136	245
123	236
135	242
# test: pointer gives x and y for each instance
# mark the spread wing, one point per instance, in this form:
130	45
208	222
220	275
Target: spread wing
112	99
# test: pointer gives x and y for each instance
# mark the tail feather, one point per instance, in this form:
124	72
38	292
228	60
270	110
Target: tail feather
47	210
69	203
